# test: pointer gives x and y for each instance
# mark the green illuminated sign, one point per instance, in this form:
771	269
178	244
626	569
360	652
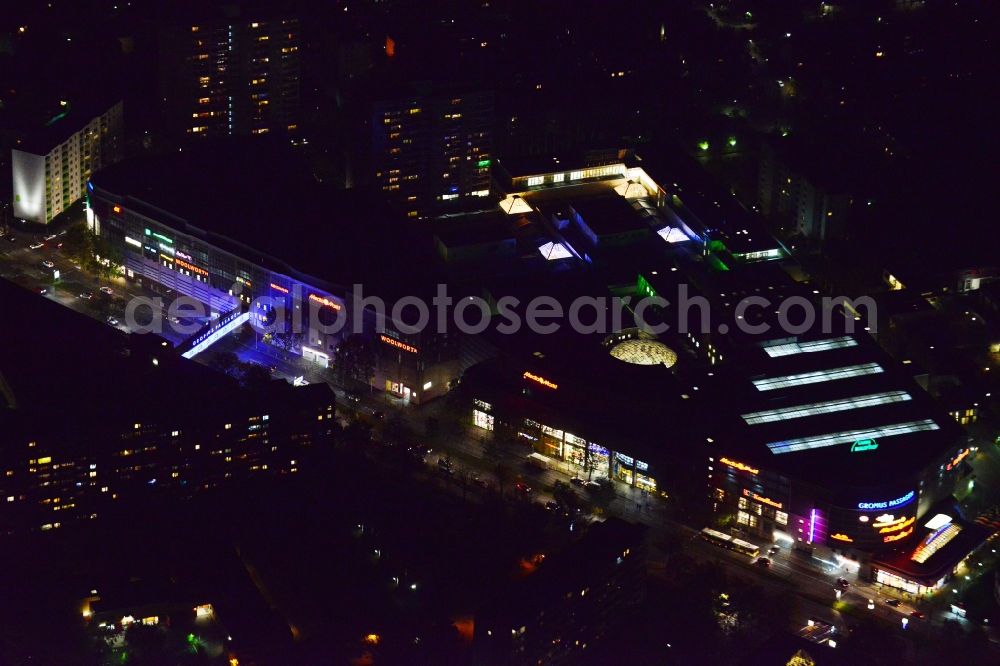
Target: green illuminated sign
864	445
164	238
703	145
483	163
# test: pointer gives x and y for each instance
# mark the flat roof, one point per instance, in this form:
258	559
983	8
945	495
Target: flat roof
608	214
55	125
828	408
259	200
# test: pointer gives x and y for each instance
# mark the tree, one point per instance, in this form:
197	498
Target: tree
603	495
801	658
286	340
396	431
106	260
354	360
254	376
78	243
225	362
503	474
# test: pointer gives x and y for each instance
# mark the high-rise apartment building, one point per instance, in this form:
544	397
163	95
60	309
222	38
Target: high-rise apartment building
433	149
231	75
51	166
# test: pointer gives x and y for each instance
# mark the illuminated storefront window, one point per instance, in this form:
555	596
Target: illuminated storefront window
748	519
644	482
552	442
482	420
892	580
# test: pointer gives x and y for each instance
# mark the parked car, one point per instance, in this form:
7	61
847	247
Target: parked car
592	485
11	239
917	615
108	290
763	562
113	321
577	481
86	295
843	583
893	602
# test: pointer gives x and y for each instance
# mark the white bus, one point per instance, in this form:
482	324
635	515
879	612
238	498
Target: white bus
732	543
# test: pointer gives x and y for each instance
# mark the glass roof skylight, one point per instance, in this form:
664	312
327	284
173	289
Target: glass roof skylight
811	409
673	235
789	348
553	251
850	436
938	521
786	381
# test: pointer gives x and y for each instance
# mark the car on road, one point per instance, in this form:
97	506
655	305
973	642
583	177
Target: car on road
843	583
773	549
52	237
86	295
552	505
36	246
763	562
523	488
108	290
43	290
893	602
592	485
577	481
376	414
11	239
48	264
917	615
352	397
871	604
113	321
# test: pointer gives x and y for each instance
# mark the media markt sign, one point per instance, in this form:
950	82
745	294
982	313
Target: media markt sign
864	445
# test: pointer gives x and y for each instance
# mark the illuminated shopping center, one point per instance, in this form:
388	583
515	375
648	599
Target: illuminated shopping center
830	445
582	411
202	226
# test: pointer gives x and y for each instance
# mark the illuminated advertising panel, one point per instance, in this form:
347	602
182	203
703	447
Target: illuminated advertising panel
325	302
540	380
888	504
957	459
743	467
393	342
